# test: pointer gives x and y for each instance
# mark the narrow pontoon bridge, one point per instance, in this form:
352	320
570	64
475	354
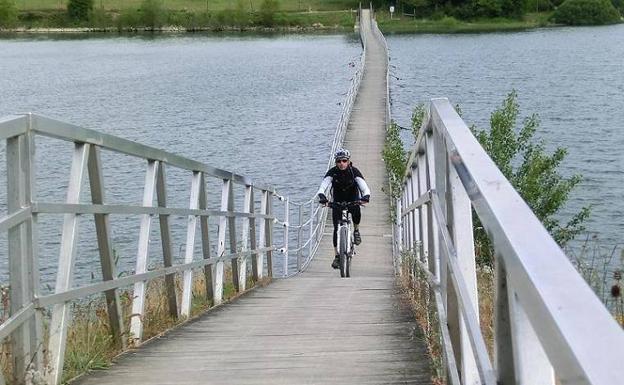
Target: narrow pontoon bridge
311	327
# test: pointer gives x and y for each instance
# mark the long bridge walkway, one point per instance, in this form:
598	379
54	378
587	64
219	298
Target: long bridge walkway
315	328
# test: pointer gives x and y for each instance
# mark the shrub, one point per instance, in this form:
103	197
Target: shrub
531	171
153	13
8	14
586	12
268	8
79	9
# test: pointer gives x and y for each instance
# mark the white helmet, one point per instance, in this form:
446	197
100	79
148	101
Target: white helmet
342	153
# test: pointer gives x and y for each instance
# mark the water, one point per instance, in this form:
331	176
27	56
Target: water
257	105
573	78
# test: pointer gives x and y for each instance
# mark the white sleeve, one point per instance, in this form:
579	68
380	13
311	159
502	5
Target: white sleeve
324	185
364	190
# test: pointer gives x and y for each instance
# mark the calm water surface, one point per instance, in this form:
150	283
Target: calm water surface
573	78
263	106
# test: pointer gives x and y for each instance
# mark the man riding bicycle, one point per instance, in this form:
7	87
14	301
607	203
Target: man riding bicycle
347	185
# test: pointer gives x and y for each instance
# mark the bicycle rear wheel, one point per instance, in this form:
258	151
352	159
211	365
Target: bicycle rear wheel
344	258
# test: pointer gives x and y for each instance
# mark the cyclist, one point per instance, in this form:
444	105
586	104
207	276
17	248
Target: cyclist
347	185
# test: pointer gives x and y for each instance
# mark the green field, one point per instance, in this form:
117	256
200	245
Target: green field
197	5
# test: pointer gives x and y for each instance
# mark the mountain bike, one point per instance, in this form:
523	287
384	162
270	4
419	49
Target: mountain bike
346	247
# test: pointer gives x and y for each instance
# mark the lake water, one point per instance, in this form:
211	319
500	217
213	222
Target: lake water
573	78
260	105
267	106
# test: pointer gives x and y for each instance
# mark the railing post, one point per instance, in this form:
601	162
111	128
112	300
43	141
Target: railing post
165	238
247	204
460	211
269	234
23	271
286	231
532	366
232	235
219	266
189	251
264	201
503	342
299	238
139	293
61	315
107	259
255	256
311	245
205	237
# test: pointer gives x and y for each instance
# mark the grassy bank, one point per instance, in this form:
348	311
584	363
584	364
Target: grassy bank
407	24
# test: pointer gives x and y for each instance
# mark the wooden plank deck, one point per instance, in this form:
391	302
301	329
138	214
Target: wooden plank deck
315	328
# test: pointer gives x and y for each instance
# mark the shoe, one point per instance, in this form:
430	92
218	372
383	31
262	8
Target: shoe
336	263
357	239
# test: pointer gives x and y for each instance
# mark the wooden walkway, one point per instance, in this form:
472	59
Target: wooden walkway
315	328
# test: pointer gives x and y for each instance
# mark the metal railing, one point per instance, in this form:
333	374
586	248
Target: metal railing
27	303
549	326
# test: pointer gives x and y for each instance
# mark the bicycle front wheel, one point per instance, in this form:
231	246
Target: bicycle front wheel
344	257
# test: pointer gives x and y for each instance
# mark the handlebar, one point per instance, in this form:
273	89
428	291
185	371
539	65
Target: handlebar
344	205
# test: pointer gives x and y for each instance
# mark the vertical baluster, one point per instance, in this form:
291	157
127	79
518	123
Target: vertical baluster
107	258
61	315
460	211
242	269
269	235
416	213
286	230
232	233
19	276
399	234
219	266
503	341
191	230
263	230
32	258
299	238
434	257
138	297
532	366
407	187
165	238
311	244
255	270
205	237
424	210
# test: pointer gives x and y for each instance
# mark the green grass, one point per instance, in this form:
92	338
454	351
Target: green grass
197	5
451	25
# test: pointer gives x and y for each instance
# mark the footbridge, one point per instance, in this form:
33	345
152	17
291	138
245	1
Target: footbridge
289	318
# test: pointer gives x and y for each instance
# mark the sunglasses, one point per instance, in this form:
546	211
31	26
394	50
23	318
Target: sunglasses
342	160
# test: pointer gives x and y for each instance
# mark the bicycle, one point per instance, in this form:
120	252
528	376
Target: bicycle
346	246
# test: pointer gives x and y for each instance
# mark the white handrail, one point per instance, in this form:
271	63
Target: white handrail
544	310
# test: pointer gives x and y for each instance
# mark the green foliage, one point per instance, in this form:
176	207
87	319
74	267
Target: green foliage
153	13
395	158
531	171
8	13
418	117
79	10
586	12
268	9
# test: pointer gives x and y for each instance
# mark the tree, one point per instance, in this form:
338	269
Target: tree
8	13
586	12
531	171
79	9
268	8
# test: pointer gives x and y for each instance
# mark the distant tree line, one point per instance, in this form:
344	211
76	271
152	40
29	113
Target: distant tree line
575	12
